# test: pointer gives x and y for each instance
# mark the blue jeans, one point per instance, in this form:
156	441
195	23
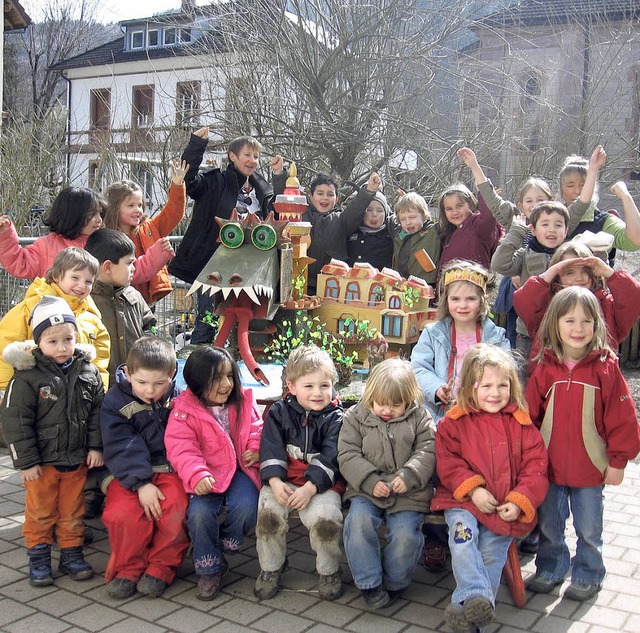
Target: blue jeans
208	537
203	332
362	546
477	556
553	560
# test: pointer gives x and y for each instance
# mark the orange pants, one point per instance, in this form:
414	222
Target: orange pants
55	499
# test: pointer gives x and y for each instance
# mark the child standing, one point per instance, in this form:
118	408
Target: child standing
146	504
372	243
492	466
213	441
299	470
52	426
579	399
386	454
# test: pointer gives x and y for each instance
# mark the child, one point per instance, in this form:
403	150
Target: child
212	440
492	466
146	504
330	227
417	233
74	215
71	278
579	399
125	212
372	243
51	422
125	313
299	470
386	454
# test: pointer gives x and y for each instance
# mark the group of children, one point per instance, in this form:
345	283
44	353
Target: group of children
456	421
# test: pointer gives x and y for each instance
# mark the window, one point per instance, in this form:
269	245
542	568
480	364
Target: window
353	292
188	104
185	35
96	176
332	288
376	294
470	106
142	106
153	38
169	37
531	92
137	39
343	327
143	176
100	111
392	325
395	303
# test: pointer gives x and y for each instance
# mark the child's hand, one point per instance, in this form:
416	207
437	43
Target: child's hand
166	245
520	219
178	171
400	192
508	512
31	474
249	458
613	476
516	281
398	485
468	157
483	500
203	132
381	490
281	491
619	189
374	182
150	497
444	394
276	164
94	459
204	486
301	496
5	223
599	267
598	157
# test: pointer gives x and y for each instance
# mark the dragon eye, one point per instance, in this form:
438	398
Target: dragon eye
264	237
232	235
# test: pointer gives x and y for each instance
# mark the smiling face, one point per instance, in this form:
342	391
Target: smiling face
576	275
550	229
76	283
374	216
313	391
58	342
464	302
571	187
494	390
130	212
388	412
220	389
411	220
531	197
456	209
324	198
246	160
576	330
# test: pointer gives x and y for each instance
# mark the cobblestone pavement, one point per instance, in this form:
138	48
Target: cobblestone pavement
85	606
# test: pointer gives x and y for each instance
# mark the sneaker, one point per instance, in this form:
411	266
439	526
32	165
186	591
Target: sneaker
581	593
529	544
538	584
455	620
209	585
330	586
376	598
268	583
435	556
394	594
121	588
40	565
151	586
479	611
73	564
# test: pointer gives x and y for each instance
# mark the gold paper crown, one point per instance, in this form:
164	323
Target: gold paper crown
472	276
292	181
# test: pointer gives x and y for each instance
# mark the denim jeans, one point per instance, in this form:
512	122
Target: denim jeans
477	556
209	538
404	545
553	560
203	332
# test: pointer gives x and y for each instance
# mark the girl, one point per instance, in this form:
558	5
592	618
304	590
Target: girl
579	398
126	212
467	231
492	466
386	454
212	440
373	243
74	215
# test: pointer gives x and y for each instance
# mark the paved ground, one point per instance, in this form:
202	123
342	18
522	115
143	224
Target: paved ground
85	606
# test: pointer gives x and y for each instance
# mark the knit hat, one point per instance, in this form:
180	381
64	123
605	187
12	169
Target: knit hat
378	197
50	311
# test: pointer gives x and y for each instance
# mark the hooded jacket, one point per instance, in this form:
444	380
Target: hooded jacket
373	246
502	452
405	249
370	450
49	416
198	446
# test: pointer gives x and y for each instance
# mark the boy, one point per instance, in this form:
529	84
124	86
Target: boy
125	313
299	470
52	425
330	226
146	503
417	233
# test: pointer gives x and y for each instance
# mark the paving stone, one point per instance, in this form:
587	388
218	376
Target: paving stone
188	621
10	610
551	624
131	625
37	622
57	602
241	611
282	623
95	617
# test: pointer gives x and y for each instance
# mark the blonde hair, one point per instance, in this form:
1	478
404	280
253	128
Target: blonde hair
444	290
411	201
445	228
561	304
575	249
476	360
536	182
71	258
308	359
117	193
392	382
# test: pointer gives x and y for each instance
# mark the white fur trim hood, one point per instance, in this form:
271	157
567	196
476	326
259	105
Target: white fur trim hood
20	354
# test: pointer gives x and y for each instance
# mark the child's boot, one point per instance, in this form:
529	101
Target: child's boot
40	565
72	563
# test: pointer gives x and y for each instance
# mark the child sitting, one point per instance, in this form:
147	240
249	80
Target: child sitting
372	243
51	422
386	453
146	503
299	470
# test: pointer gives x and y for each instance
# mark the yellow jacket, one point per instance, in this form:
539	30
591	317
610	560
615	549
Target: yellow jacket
15	326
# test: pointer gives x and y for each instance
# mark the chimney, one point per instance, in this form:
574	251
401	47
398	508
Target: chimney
188	6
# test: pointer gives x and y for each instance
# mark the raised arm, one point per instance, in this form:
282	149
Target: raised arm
192	155
631	213
353	214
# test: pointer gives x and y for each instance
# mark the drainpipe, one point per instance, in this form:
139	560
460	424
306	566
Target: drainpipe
68	159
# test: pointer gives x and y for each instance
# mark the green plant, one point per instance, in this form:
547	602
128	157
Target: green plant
358	331
299	284
410	296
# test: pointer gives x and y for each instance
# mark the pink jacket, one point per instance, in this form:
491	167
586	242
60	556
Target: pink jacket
197	445
36	259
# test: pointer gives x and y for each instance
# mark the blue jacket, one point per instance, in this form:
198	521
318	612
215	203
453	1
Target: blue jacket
430	358
133	433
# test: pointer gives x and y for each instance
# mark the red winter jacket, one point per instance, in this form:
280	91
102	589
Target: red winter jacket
586	415
502	452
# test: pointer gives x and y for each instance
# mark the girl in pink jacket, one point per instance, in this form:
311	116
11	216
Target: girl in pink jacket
212	440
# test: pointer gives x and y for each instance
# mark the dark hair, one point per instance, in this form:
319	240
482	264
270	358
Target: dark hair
152	353
547	208
204	368
71	210
109	245
324	179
